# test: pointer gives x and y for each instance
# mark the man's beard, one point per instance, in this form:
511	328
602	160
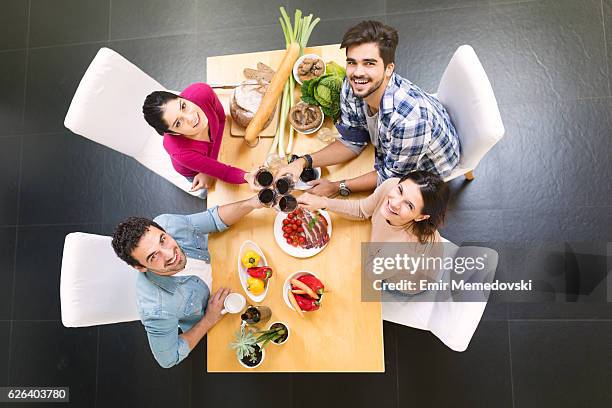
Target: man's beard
181	265
372	89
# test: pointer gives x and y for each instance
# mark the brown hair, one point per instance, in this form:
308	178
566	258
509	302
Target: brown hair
435	200
373	32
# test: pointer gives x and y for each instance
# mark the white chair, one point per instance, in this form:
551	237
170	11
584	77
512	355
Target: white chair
466	93
107	108
452	321
96	287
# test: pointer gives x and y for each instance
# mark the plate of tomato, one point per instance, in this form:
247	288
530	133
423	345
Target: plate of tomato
295	236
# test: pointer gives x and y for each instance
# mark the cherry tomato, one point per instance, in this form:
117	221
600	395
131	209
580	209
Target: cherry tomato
285	235
289	241
298	222
294	227
301	240
290	216
286	221
300	229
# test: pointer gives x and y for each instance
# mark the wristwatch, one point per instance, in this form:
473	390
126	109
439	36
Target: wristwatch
344	190
308	159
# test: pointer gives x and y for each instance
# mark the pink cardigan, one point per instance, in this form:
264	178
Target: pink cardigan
190	157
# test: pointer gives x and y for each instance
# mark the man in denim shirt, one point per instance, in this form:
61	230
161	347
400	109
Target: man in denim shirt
172	254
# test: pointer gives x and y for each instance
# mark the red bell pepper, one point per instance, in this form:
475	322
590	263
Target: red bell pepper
307	304
313	283
260	272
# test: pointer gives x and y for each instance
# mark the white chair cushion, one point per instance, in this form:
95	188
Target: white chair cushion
107	108
96	287
466	93
453	322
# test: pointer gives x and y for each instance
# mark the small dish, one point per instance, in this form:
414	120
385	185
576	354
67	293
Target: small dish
300	60
242	271
287	287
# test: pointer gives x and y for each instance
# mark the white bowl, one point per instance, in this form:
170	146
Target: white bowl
263	357
242	272
287	287
288	332
313	130
298	252
299	61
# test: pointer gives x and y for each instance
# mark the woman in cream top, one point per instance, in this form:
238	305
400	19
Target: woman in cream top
406	210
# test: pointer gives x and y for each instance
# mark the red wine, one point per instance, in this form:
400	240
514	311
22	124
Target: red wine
264	177
287	203
266	197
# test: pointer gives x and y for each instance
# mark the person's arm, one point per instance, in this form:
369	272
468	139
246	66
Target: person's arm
232	213
213	314
357	209
326	188
204	164
334	153
220	113
167	347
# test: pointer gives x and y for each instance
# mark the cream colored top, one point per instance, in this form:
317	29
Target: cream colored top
383	232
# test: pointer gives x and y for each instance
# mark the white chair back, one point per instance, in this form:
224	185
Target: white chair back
466	93
107	108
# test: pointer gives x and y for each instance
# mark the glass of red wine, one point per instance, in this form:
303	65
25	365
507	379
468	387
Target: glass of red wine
267	197
287	203
284	185
264	177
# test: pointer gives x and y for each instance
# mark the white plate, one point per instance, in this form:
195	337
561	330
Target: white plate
287	287
299	61
300	185
298	252
242	273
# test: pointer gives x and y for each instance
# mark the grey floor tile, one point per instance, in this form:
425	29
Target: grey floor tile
4	355
428	40
219	14
234	389
129	376
53	77
430	374
329	31
132	190
555	155
50	24
38	270
7	270
145	18
12	79
472	226
607	8
48	354
356	390
13	24
10	151
547	50
174	61
61	180
561	364
411	6
338	9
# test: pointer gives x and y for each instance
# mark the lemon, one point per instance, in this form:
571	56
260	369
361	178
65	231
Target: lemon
255	286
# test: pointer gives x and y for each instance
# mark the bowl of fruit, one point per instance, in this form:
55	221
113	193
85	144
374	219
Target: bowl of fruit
253	272
303	292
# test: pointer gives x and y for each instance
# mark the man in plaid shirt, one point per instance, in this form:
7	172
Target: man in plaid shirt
409	129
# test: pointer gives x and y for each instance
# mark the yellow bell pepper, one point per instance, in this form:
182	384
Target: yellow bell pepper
250	259
255	286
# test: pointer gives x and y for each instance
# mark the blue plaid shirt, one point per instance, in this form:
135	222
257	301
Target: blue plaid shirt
414	130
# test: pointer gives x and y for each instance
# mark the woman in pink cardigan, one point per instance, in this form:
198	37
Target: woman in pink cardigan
192	125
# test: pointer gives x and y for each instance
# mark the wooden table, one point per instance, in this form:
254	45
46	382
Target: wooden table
345	334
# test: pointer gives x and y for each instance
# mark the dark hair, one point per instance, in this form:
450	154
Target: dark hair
127	235
373	32
153	109
435	200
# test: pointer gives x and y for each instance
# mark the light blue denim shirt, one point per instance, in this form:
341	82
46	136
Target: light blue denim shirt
166	303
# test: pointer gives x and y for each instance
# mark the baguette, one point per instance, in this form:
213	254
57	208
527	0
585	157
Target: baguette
275	89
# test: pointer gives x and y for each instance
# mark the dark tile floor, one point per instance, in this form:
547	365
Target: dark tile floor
548	182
